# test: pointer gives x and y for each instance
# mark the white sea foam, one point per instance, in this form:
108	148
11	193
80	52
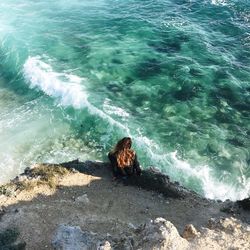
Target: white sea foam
7	160
219	2
66	88
212	188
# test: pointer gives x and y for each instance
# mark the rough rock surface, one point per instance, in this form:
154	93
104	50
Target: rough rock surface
225	233
160	234
116	211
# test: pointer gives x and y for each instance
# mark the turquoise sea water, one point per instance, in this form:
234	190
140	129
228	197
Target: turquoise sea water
76	76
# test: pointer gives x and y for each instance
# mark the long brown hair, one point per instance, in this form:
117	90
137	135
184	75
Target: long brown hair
124	154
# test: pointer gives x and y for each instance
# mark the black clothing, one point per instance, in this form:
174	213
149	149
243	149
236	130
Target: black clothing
126	171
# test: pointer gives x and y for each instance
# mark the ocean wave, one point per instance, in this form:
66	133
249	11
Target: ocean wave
41	75
213	188
69	91
181	170
66	88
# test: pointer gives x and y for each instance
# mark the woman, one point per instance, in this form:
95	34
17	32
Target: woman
123	159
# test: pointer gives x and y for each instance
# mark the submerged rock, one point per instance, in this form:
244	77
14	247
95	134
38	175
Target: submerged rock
148	68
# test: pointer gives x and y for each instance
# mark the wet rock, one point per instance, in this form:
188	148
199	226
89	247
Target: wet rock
187	92
245	204
114	87
229	209
27	170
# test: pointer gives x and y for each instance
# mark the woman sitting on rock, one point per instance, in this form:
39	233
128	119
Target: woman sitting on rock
123	159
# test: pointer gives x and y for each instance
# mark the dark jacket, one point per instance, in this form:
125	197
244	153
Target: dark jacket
126	171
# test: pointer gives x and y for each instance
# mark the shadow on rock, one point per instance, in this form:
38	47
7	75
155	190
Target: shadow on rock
150	179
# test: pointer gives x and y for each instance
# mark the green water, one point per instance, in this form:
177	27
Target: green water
173	74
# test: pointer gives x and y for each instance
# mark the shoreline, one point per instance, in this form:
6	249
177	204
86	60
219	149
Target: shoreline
82	194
